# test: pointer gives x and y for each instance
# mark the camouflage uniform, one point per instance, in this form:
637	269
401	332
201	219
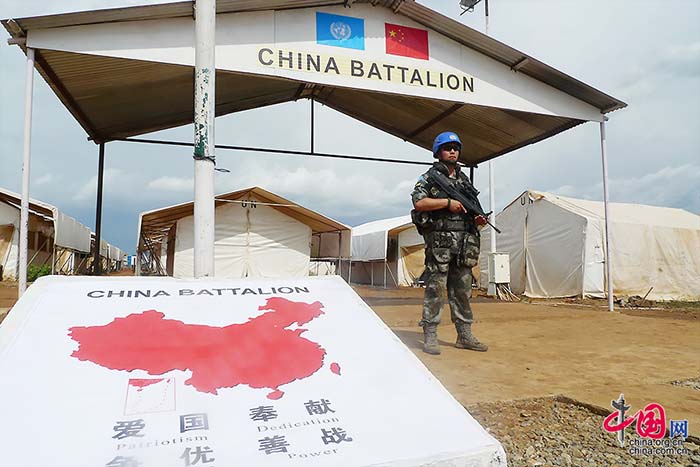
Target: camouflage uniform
451	251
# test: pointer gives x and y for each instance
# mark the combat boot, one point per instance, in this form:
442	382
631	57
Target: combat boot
430	340
466	340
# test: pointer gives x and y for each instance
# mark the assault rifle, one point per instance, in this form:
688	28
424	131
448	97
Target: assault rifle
468	199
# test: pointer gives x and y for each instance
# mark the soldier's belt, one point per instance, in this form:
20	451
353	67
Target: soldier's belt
447	225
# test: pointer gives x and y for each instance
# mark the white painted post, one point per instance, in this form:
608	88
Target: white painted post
24	204
204	158
492	184
492	207
608	253
385	267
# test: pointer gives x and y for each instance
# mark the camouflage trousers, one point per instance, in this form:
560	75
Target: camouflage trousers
446	273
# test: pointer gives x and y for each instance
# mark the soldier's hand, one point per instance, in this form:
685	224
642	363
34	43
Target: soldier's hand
480	220
456	207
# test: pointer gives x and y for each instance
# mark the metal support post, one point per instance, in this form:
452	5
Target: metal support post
96	261
385	268
26	156
608	253
53	257
492	184
492	207
312	125
204	159
486	17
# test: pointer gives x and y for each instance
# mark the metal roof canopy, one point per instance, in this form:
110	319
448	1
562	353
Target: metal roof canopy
114	98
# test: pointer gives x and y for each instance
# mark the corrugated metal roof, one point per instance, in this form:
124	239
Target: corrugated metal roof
115	98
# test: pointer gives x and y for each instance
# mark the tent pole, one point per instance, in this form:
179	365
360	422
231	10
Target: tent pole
204	159
350	272
371	272
396	283
312	124
606	196
97	263
385	266
340	246
53	259
26	155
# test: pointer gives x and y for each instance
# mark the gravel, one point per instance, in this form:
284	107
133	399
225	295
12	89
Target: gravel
693	383
547	432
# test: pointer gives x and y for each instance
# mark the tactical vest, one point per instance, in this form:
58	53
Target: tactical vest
442	219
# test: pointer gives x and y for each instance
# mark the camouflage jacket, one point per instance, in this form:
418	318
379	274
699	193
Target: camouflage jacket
441	219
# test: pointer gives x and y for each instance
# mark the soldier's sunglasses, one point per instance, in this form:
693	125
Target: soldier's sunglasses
450	147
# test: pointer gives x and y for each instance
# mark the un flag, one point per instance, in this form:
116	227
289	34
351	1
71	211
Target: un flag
340	31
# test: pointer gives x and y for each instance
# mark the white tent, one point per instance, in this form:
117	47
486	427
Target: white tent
258	234
387	246
557	248
54	237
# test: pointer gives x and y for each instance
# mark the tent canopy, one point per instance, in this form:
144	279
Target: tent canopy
557	249
369	240
68	232
128	71
155	225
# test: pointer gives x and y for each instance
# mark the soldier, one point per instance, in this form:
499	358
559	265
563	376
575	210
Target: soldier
452	244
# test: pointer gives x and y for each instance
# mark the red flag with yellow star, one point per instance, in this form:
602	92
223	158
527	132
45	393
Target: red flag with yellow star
407	42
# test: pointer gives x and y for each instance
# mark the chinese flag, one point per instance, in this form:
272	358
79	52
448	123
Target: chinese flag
405	41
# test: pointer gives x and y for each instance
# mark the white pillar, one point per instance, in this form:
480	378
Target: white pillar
385	267
204	106
24	204
608	253
492	184
492	207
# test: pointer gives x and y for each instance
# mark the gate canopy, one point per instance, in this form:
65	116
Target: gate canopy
393	64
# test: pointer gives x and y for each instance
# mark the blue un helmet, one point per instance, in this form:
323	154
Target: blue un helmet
444	138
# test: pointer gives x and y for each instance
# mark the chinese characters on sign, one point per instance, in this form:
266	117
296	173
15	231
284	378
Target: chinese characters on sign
192	455
129	428
280	443
195	421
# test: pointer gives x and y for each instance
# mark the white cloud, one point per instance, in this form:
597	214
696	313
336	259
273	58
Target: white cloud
171	184
331	192
682	60
88	191
43	180
669	187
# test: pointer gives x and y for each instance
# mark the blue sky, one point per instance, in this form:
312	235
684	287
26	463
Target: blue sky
646	53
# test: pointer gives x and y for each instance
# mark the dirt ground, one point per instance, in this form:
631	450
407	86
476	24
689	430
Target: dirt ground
582	352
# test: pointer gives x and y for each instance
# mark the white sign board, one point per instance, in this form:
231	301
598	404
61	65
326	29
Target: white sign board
362	47
162	372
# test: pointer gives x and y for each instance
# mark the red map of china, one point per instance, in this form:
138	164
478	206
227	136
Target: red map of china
260	353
